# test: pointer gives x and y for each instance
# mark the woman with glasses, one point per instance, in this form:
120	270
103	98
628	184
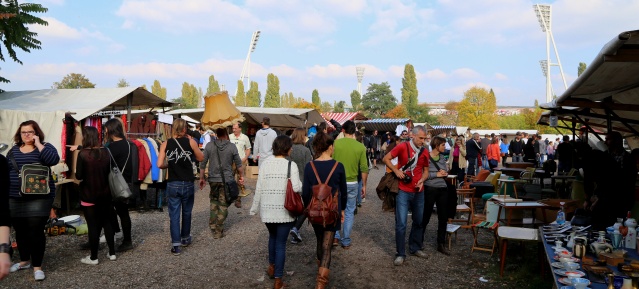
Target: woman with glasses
29	214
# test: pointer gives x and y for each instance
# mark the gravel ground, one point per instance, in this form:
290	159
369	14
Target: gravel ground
239	259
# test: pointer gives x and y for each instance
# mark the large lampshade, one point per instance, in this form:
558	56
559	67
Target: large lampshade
219	111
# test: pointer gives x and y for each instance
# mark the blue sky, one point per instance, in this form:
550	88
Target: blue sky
316	44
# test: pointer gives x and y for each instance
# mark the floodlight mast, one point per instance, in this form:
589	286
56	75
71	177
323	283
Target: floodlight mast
246	70
360	76
544	16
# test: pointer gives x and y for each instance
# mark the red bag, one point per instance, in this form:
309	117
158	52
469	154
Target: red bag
293	202
323	210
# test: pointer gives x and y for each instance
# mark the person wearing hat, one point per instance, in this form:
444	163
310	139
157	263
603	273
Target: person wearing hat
263	148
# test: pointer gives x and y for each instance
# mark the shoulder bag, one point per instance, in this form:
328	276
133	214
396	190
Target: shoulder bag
231	191
34	178
193	166
293	202
119	187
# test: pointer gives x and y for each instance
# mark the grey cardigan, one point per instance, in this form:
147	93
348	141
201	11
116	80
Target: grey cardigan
228	155
301	155
433	181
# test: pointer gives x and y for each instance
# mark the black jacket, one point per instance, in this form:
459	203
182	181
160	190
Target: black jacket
473	149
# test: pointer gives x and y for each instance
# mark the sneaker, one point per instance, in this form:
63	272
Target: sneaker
296	235
419	253
335	242
125	246
111	257
399	260
363	200
87	260
186	242
39	275
15	267
176	251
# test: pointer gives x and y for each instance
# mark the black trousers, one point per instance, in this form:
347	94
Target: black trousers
324	238
30	238
437	196
122	211
99	216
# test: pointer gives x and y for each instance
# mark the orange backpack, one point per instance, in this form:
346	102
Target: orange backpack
323	208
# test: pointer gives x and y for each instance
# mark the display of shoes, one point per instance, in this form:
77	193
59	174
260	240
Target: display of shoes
87	260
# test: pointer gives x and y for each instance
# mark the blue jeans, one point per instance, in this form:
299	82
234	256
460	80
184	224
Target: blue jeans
359	192
277	236
349	215
180	201
404	201
484	162
518	158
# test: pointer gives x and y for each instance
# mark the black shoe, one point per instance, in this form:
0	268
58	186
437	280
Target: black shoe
125	246
442	249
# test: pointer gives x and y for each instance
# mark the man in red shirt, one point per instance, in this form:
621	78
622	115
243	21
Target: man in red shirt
412	162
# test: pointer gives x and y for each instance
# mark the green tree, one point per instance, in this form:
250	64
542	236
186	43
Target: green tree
420	113
158	90
478	109
213	87
515	121
253	96
356	100
409	89
581	68
326	107
315	98
190	96
272	97
288	100
378	99
339	106
450	117
200	98
15	21
240	96
122	83
73	81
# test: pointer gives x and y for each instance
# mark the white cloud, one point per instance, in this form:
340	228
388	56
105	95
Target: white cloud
500	76
396	21
435	74
464	73
84	38
339	71
56	30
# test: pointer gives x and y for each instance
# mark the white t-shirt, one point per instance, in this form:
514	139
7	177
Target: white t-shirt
242	143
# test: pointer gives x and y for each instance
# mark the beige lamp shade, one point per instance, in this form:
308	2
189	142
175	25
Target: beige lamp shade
219	111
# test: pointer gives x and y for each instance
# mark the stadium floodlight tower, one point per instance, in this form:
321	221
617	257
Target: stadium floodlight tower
544	70
246	70
360	76
544	14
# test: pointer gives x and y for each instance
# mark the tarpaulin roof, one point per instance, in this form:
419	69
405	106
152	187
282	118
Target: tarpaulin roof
280	117
385	124
342	117
606	95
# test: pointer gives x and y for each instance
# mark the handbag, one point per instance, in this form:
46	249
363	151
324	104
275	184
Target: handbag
231	191
34	178
193	166
119	187
293	202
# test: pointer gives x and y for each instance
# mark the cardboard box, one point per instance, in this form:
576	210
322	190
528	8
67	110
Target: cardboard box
252	172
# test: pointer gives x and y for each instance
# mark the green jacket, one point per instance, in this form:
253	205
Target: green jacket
352	154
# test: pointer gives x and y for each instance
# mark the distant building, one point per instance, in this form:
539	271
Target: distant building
439	108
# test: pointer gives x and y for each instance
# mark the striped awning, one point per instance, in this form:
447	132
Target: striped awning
342	117
386	124
439	129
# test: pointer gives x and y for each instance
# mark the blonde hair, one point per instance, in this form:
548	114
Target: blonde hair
179	127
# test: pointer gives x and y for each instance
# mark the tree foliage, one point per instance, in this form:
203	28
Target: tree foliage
305	104
339	106
316	98
272	97
356	100
451	116
158	90
74	81
378	99
515	121
397	112
190	96
253	96
326	107
582	67
15	21
420	113
122	83
409	89
478	109
289	100
213	87
240	96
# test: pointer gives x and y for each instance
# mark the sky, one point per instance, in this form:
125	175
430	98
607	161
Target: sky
317	44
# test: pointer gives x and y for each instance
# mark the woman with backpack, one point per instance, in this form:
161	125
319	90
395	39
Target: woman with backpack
330	172
270	195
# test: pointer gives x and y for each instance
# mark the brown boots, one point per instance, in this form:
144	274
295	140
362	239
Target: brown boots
322	278
279	284
271	271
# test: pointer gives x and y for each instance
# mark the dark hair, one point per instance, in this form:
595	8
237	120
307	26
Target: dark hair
114	129
281	145
222	133
436	141
566	138
616	140
349	127
321	126
494	141
266	121
90	137
299	136
321	143
17	139
359	137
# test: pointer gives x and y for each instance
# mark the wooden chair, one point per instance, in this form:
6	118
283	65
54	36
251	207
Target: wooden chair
465	205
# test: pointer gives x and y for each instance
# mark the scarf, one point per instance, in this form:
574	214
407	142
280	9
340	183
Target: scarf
416	154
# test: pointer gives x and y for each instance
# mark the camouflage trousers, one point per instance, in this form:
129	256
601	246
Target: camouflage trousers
219	208
244	191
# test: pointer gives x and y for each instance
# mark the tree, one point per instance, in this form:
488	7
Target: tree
240	96
73	81
409	89
315	98
450	116
190	96
515	121
253	96
122	83
581	68
378	99
272	97
421	113
326	107
158	90
356	100
305	104
478	109
15	21
339	106
397	112
213	87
